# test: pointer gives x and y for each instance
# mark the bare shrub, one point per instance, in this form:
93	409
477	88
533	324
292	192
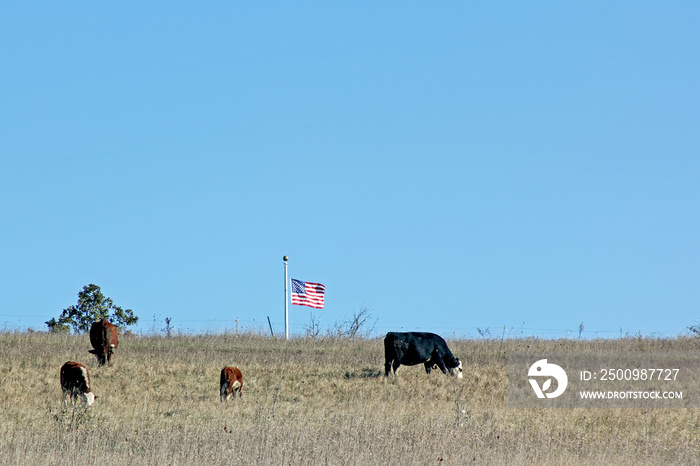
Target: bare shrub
354	326
313	329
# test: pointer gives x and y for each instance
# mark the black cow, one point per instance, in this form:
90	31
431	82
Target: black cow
411	348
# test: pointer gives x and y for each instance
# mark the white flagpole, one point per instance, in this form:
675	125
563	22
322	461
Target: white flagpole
286	300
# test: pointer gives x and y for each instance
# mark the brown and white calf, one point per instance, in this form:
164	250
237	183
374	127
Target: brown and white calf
231	382
75	381
104	339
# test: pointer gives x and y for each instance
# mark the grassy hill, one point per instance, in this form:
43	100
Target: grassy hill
322	401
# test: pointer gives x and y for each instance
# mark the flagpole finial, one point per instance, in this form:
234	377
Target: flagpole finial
285	258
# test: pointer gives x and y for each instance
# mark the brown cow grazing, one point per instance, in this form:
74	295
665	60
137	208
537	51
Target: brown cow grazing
75	381
104	340
230	383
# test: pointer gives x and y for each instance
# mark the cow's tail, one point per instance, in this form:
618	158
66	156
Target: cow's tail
223	385
105	336
389	353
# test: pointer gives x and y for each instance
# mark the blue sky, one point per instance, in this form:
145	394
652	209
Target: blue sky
456	167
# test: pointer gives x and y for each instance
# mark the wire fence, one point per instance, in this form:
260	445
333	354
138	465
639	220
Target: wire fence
19	322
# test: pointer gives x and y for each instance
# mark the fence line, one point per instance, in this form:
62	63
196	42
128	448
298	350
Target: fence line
485	332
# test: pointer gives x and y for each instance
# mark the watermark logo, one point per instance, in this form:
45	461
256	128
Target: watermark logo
604	379
543	369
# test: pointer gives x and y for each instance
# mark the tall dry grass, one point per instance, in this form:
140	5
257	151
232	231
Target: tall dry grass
322	401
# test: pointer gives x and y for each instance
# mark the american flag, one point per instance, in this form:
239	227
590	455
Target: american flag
307	294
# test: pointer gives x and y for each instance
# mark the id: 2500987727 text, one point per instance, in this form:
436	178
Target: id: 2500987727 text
612	375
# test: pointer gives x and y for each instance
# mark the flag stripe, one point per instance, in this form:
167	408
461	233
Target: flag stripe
308	294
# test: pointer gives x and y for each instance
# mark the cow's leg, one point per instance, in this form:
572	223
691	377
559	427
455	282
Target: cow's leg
97	355
395	366
428	366
387	368
73	396
440	363
236	389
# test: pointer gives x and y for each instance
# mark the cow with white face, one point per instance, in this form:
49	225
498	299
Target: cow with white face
104	339
230	382
75	381
411	348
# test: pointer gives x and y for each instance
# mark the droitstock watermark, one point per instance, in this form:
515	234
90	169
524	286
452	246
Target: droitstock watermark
598	379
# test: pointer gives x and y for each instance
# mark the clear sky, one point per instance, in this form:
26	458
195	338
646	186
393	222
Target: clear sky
456	166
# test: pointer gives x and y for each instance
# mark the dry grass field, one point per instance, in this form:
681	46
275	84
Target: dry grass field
322	401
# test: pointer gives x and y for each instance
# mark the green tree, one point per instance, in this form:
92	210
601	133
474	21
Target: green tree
92	306
57	327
